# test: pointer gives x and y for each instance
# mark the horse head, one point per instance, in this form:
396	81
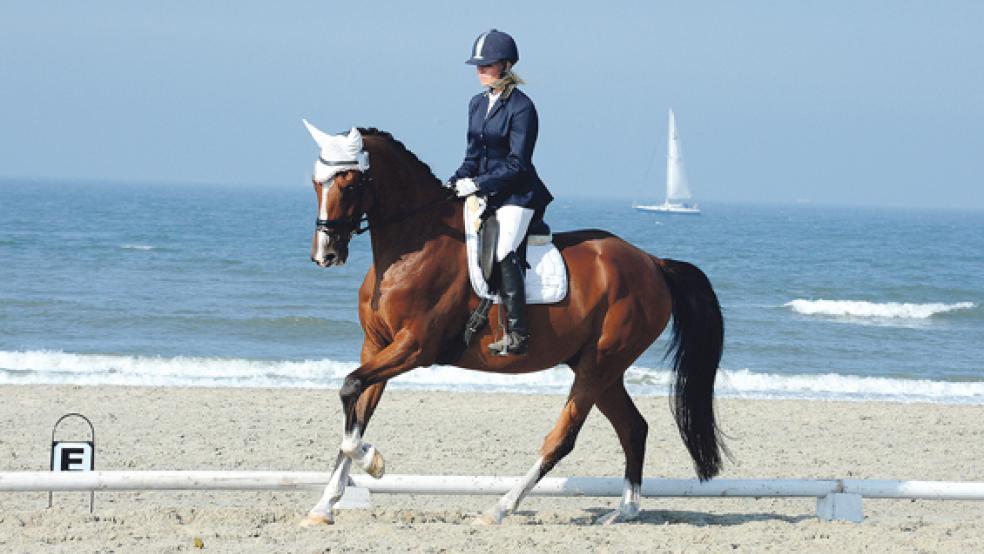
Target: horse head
339	182
401	198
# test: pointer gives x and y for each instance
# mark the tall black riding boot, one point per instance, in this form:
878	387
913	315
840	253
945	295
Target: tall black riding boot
512	292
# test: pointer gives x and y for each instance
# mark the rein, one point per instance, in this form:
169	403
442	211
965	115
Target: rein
360	224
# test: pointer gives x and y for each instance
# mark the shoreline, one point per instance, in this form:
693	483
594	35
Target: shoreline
739	384
193	428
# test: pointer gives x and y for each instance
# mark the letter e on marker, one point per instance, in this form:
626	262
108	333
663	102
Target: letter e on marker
71	456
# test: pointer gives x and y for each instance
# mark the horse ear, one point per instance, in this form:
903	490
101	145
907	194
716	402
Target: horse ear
318	135
355	139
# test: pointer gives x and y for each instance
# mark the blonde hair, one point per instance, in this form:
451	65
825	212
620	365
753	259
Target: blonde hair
507	82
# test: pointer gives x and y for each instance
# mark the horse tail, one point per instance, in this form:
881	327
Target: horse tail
696	346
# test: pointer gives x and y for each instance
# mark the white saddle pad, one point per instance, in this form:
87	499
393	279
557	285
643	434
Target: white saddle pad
546	280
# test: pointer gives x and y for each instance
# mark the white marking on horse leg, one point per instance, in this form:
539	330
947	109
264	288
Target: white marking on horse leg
351	442
335	489
511	500
628	508
362	453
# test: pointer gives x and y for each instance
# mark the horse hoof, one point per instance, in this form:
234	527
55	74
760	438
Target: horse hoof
484	520
377	467
492	516
316	520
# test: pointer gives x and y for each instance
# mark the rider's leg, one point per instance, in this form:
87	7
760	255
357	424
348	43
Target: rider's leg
513	223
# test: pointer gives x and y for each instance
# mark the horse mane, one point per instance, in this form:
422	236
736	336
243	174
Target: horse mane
374	132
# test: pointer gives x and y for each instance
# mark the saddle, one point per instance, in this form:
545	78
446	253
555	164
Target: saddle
538	234
546	276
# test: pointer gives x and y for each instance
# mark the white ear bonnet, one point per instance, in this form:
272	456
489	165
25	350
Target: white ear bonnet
338	153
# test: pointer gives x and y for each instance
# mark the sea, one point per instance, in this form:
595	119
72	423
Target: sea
212	286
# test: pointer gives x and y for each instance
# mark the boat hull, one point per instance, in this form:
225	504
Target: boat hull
670	209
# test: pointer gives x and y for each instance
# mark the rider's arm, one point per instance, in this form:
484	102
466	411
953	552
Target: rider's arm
523	128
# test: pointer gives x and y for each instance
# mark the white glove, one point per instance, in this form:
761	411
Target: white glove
465	187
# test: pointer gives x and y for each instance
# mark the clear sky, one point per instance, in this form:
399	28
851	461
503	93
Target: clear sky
848	102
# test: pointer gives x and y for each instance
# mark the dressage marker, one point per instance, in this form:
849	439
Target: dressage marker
74	455
837	499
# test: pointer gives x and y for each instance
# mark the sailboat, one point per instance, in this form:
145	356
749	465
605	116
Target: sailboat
678	199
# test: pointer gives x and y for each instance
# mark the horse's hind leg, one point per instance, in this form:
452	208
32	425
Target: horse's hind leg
557	444
632	429
321	514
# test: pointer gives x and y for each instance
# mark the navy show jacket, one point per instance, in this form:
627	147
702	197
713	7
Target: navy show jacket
499	156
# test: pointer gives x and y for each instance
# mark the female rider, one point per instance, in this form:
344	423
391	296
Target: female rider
502	129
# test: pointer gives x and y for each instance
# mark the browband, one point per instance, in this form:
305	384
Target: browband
347	162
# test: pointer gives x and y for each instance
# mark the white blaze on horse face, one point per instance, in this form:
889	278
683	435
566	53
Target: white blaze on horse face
324	240
324	243
323	205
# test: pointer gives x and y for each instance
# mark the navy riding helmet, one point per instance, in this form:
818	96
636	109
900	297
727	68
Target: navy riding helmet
493	46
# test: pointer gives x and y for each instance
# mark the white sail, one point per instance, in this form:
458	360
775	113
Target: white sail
676	176
677	189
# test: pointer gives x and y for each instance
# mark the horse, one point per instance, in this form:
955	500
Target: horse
416	297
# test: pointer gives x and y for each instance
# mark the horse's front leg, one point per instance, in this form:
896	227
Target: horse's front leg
353	447
321	514
360	394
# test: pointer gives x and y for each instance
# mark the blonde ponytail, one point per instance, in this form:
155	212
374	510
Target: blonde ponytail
507	83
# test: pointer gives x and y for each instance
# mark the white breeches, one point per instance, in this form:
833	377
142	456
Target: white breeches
513	223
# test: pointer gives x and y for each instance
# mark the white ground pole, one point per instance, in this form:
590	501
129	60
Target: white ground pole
837	499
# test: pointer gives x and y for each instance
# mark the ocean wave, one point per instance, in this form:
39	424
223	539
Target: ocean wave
860	308
144	247
72	368
834	386
55	367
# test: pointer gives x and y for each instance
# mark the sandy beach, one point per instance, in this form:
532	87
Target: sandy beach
483	434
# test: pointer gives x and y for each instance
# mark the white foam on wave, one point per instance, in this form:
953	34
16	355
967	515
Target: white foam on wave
138	247
743	383
55	367
835	386
860	308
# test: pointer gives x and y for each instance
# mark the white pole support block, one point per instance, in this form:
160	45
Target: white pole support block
840	506
354	498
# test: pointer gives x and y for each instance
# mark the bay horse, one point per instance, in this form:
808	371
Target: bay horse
416	297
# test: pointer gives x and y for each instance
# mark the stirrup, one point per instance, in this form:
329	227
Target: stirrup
512	343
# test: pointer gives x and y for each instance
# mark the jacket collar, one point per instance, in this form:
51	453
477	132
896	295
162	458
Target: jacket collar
503	98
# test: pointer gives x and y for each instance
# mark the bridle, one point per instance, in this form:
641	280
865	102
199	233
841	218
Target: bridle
358	224
353	225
